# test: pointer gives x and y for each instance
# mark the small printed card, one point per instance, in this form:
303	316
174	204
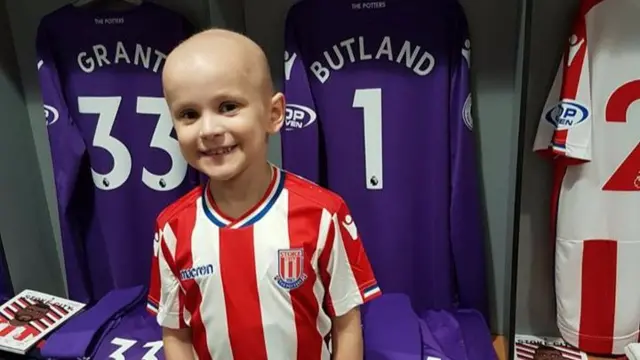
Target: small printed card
545	348
31	315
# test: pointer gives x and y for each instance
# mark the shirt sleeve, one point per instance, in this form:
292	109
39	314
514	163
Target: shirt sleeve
301	134
565	126
165	298
348	278
67	151
465	228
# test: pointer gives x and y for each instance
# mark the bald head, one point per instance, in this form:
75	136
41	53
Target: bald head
219	50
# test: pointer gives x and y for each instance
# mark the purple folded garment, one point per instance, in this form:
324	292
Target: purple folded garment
476	335
75	337
431	349
446	331
392	330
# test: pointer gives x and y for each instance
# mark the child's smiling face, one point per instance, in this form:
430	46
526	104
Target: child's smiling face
218	89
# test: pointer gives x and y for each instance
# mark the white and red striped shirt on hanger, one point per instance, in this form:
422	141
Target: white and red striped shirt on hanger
266	285
591	128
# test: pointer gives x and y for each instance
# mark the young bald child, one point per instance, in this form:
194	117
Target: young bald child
258	263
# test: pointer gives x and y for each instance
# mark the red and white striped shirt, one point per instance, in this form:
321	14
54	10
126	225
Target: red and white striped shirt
591	127
266	285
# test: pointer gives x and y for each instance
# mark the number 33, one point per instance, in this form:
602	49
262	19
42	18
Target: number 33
126	344
106	107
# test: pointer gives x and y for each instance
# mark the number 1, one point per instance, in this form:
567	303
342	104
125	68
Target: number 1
370	100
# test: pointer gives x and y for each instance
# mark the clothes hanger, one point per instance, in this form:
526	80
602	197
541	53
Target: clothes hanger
79	3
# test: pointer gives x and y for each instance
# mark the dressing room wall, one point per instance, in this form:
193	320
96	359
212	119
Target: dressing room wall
535	299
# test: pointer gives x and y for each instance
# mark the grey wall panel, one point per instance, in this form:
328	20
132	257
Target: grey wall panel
535	299
494	27
494	50
226	13
27	233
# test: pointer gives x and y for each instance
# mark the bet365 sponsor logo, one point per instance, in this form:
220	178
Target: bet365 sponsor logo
299	116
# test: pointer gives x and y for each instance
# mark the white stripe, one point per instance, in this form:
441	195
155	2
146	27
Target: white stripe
6	314
627	296
152	308
58	311
168	304
323	323
271	234
37	326
272	193
569	287
205	250
371	292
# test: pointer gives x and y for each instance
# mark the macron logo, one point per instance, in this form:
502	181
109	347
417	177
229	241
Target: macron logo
575	44
196	272
350	226
156	243
289	60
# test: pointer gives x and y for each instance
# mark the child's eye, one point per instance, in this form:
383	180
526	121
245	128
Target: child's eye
188	114
227	106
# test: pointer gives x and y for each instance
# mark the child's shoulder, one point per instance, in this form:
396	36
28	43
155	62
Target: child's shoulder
312	194
186	202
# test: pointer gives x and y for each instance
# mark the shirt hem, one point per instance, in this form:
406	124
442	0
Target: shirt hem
606	345
169	320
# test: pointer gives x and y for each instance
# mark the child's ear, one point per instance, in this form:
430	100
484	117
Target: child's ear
277	113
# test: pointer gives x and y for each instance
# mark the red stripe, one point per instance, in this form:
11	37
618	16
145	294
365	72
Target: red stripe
560	137
42	324
154	278
573	71
183	227
358	260
303	225
598	298
240	289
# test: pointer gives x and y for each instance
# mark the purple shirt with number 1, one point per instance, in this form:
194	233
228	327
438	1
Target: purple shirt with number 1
379	110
